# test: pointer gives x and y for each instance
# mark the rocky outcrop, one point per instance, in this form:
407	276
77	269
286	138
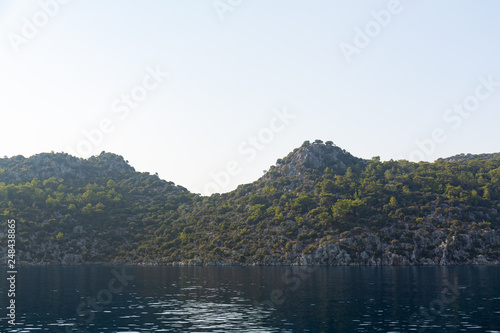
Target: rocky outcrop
467	157
315	156
61	165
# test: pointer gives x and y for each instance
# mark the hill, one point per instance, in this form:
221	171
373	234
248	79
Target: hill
468	157
317	205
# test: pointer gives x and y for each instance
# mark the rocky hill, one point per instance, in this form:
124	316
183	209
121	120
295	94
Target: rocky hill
317	206
468	157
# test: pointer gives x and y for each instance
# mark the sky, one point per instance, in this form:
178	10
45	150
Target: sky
209	94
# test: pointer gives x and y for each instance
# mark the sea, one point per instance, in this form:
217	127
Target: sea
250	299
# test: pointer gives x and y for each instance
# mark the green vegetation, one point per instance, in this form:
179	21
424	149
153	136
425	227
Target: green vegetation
103	210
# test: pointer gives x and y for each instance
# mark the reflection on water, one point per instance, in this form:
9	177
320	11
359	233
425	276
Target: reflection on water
255	299
210	317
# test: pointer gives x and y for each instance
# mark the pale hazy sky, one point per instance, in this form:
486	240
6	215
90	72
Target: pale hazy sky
248	81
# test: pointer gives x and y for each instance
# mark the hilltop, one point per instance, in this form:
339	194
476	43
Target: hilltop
468	157
317	205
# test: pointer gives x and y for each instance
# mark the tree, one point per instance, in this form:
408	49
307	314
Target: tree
87	209
60	237
111	184
346	211
303	204
487	194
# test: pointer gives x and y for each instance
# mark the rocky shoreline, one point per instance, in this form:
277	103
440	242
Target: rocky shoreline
479	262
426	246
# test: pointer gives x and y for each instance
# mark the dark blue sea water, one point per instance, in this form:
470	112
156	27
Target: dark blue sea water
254	299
